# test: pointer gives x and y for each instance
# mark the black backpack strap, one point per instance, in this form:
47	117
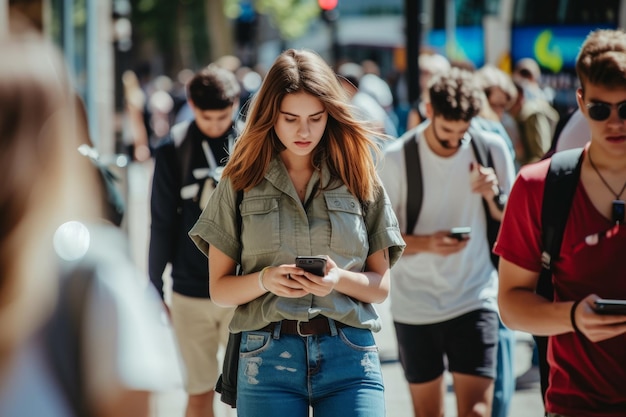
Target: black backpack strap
484	158
414	183
179	136
480	147
561	183
238	201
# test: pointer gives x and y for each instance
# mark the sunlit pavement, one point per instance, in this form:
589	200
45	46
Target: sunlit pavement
526	402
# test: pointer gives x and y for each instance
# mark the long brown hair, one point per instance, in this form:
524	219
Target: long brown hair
347	145
45	181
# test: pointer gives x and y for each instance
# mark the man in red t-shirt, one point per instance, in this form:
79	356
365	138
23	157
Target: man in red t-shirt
587	350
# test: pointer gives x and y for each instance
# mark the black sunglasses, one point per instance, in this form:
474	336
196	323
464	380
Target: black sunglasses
601	111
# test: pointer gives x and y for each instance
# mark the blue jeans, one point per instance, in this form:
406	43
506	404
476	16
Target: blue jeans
337	374
504	386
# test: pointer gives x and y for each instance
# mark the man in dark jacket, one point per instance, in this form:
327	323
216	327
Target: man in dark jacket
187	168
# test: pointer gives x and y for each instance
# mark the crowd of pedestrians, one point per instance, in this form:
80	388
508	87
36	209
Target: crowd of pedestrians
439	209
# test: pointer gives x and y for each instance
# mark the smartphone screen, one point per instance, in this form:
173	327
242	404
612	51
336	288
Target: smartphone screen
313	264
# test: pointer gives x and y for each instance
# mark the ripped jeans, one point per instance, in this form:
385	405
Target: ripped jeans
337	374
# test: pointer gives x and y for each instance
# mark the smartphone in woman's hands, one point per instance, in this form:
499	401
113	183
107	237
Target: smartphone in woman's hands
314	264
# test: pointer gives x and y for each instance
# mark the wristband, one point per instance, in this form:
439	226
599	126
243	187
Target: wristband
572	316
500	200
261	286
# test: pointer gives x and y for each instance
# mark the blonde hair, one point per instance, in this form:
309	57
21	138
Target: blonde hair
346	145
491	77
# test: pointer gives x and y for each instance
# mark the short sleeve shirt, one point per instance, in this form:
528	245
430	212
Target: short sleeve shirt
586	378
276	227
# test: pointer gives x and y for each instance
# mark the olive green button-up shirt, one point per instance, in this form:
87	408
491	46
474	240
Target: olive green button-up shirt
276	227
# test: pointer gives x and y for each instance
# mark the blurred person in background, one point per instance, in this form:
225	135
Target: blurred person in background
528	74
80	332
135	132
188	166
536	122
429	65
367	106
160	108
498	89
372	84
500	93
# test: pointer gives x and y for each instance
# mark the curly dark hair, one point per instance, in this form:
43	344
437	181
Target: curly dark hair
455	95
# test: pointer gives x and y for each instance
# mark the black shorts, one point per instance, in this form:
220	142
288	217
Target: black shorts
469	343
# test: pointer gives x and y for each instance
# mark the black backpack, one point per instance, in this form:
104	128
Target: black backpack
226	384
561	183
416	187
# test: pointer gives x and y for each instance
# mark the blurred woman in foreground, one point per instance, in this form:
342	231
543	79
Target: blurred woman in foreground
106	357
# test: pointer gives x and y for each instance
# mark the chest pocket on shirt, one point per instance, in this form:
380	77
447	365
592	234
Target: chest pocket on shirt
261	225
348	235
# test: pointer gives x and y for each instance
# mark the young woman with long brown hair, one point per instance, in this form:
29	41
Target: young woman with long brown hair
305	170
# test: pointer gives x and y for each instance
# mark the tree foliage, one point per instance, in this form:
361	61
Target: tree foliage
290	17
185	32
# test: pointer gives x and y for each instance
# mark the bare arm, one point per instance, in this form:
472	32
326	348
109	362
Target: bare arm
438	243
522	309
371	286
228	289
126	403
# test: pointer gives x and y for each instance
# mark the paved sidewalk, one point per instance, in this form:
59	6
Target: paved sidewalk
526	403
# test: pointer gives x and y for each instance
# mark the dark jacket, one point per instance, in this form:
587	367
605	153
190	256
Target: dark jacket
176	158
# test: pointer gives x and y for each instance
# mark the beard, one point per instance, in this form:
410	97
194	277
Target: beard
446	144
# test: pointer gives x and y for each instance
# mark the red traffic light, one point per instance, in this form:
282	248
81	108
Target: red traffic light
327	4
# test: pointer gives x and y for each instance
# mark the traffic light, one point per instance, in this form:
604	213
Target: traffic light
327	4
329	10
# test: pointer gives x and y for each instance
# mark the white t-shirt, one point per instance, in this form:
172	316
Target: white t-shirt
429	288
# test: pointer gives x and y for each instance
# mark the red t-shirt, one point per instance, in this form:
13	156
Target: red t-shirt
586	379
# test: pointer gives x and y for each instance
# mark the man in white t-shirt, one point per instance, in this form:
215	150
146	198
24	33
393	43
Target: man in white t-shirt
443	297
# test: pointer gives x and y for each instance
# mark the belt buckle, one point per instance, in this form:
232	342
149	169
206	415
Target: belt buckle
299	330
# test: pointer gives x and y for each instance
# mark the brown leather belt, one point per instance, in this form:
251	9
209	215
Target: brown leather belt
316	326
